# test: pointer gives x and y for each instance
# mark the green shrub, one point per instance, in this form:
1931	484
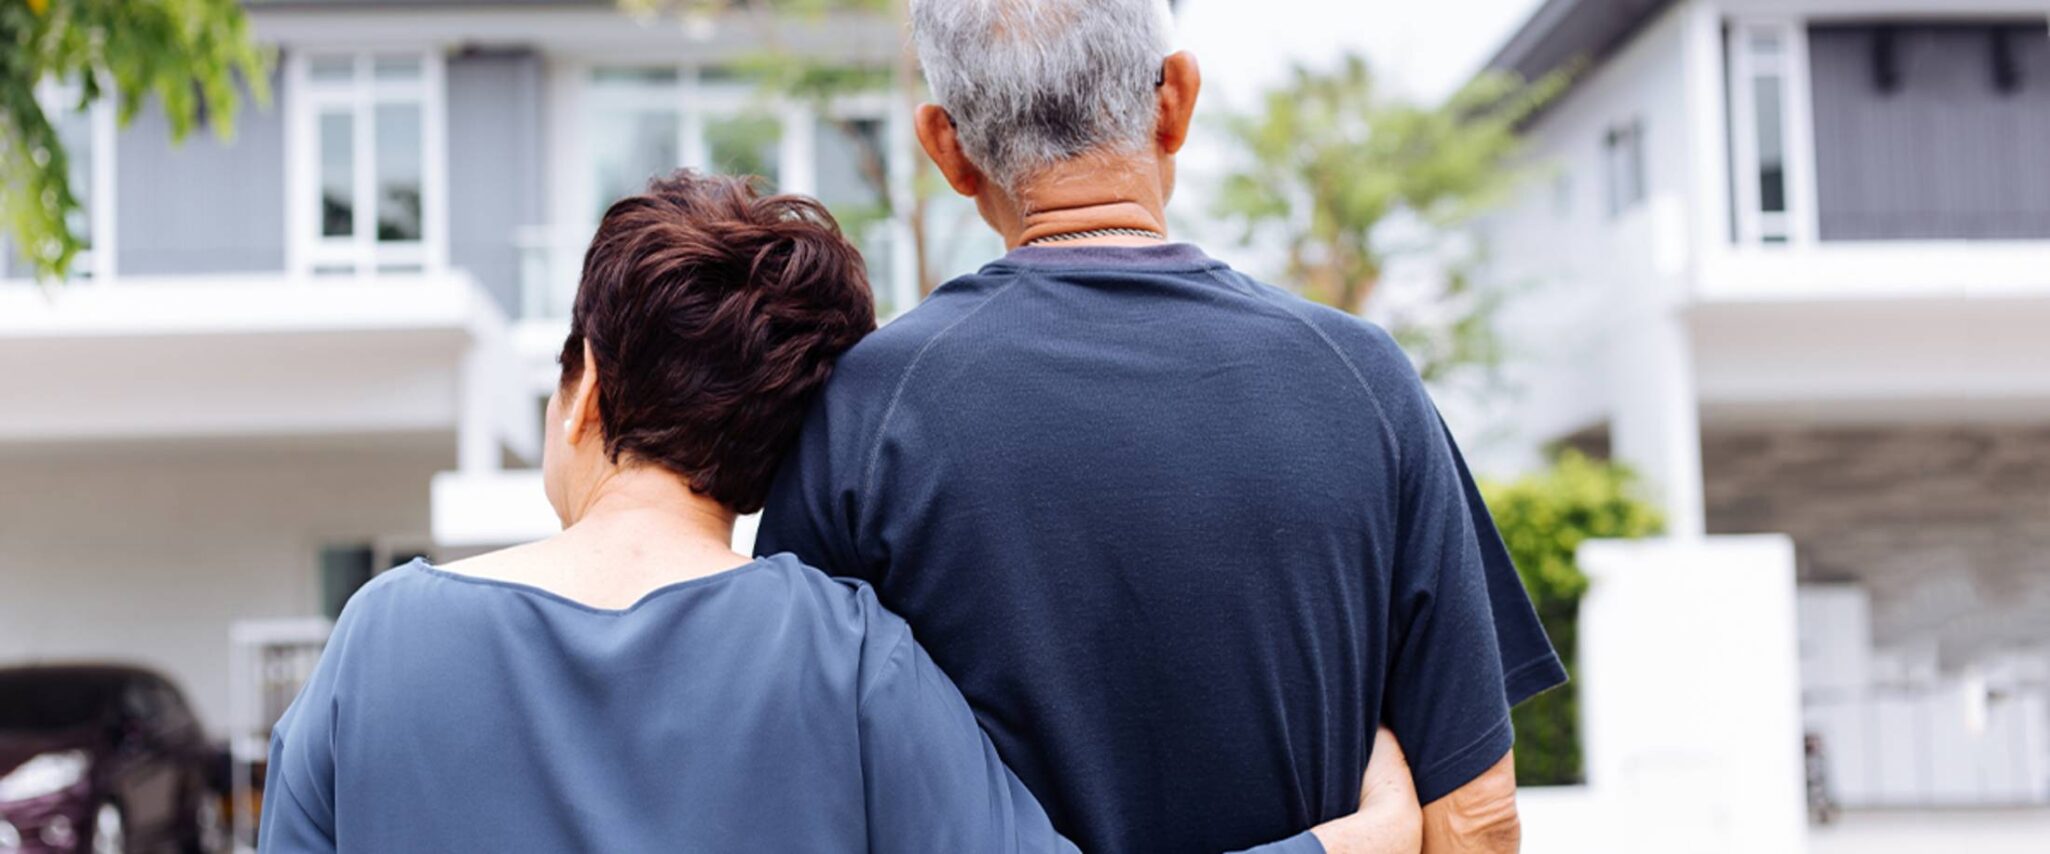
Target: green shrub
1543	518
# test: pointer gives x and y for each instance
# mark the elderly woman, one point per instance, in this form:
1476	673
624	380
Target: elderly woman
632	684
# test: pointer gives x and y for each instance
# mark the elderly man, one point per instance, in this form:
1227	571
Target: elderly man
1184	539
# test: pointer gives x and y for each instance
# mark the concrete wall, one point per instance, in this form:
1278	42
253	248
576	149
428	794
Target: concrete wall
147	553
1948	528
1885	171
204	206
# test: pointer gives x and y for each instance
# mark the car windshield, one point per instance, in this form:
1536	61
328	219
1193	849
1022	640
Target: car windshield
33	702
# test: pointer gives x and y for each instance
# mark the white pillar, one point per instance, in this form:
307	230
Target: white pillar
1656	429
1692	731
1656	426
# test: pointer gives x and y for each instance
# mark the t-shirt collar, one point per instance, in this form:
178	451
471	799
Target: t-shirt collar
1159	257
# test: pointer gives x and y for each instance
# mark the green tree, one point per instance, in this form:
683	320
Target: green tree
1347	177
191	56
1544	517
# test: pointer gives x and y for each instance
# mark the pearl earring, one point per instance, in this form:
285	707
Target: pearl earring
568	424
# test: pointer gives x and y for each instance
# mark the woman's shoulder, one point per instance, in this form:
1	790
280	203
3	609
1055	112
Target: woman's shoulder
848	603
383	601
851	594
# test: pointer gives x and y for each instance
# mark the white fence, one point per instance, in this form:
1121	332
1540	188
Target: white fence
269	661
1898	730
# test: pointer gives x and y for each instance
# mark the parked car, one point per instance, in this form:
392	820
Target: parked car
103	759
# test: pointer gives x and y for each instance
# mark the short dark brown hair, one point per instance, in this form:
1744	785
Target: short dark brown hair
714	315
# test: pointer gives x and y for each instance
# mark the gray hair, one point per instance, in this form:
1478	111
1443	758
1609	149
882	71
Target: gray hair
1031	83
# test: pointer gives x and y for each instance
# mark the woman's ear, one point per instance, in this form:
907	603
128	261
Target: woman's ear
580	406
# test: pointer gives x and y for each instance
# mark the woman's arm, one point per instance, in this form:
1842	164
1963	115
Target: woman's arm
299	782
933	780
1389	821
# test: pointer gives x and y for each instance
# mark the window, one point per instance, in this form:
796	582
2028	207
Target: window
1764	59
1623	164
88	139
647	121
642	121
343	571
366	178
346	567
853	182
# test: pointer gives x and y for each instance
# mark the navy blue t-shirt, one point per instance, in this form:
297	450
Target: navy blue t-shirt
1183	540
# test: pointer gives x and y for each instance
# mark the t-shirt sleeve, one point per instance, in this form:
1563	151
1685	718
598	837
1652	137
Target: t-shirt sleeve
299	784
1466	640
933	780
810	511
1529	664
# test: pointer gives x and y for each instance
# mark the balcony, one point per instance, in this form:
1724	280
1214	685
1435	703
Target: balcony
1954	270
259	356
1842	188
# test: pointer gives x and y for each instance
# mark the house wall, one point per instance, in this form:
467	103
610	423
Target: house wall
146	553
1944	156
495	166
1946	527
1590	325
206	205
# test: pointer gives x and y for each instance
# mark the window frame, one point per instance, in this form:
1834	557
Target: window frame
98	262
552	251
1623	159
696	102
1797	223
309	253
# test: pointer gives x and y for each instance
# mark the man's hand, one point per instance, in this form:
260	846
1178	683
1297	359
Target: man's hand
1479	817
1389	821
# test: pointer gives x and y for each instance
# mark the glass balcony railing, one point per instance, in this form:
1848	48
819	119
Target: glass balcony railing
551	262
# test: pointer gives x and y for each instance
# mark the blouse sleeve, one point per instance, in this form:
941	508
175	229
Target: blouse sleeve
933	780
299	785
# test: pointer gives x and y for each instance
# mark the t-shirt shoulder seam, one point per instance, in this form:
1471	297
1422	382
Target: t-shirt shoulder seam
1373	398
875	451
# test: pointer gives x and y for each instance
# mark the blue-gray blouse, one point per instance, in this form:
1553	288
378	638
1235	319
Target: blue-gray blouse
767	708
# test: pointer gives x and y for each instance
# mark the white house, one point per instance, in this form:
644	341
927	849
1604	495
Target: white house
1791	260
238	407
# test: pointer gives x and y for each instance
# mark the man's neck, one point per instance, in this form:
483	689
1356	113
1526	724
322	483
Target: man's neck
1091	198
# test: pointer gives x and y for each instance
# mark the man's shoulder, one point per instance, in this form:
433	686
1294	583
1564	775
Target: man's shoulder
881	359
1367	348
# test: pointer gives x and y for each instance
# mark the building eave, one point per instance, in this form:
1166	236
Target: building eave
1563	33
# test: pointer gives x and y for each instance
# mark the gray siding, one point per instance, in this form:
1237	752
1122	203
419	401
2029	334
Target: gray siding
495	169
1946	155
202	206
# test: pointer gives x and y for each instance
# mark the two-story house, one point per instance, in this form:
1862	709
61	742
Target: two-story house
237	408
1791	260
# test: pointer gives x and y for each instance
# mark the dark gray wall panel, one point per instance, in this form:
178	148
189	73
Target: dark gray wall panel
1945	155
495	173
203	206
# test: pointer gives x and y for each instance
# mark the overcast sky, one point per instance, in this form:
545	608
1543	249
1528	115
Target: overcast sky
1427	47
